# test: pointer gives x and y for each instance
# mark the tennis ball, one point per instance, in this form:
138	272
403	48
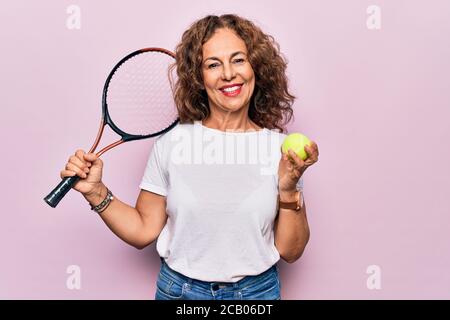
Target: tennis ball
296	142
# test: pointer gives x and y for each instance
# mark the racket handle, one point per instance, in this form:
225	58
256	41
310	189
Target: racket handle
60	191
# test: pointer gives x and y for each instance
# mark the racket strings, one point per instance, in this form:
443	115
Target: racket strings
140	97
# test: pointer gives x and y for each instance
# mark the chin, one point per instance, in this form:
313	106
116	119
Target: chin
233	107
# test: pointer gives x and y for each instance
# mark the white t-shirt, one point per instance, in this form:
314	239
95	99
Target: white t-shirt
221	193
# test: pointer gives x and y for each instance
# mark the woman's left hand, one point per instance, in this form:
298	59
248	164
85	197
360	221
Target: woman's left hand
291	167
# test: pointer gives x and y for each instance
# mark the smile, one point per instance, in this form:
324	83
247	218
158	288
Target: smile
232	90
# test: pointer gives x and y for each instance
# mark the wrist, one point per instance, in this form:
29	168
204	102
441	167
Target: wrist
292	200
96	196
288	195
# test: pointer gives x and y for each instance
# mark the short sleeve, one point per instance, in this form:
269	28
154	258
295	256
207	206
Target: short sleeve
154	179
300	184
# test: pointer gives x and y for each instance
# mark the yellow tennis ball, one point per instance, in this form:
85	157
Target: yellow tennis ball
296	142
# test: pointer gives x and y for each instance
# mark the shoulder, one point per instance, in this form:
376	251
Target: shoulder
276	133
174	134
275	136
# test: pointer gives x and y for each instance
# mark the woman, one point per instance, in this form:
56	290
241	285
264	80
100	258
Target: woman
218	210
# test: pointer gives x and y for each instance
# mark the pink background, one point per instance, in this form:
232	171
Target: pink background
377	102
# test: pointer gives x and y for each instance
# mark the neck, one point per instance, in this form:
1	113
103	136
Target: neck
230	121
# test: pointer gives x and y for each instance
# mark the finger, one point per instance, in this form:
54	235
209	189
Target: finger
66	173
308	152
297	161
311	151
284	157
92	158
79	163
70	166
80	155
314	147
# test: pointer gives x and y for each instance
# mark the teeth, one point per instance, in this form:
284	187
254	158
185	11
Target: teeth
231	89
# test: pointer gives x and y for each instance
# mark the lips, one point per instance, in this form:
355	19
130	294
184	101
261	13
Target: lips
231	90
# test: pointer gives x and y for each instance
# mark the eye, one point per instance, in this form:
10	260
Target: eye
239	60
213	65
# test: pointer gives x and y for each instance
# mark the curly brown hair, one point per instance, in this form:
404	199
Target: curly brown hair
271	103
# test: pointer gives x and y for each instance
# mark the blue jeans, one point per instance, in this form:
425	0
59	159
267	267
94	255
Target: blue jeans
172	285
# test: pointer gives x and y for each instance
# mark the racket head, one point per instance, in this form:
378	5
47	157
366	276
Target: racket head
137	100
138	94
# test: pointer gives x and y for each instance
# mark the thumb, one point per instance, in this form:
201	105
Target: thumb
283	155
93	158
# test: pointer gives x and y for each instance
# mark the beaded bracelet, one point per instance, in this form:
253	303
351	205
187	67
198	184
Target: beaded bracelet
105	203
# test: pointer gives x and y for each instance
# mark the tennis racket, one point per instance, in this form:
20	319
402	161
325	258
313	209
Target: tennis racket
137	104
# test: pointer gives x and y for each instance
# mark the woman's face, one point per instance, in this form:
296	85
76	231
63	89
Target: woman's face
227	74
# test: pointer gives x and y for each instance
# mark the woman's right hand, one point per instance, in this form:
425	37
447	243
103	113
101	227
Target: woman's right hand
89	167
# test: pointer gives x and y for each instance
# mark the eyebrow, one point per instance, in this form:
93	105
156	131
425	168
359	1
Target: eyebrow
232	55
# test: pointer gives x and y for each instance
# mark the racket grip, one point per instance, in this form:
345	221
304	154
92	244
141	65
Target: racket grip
60	191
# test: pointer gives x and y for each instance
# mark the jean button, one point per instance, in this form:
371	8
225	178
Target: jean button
215	287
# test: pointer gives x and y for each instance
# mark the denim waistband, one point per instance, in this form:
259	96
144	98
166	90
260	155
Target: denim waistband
244	282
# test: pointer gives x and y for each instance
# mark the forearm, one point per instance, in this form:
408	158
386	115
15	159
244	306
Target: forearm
122	219
291	230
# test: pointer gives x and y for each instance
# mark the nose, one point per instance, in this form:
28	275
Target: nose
228	72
